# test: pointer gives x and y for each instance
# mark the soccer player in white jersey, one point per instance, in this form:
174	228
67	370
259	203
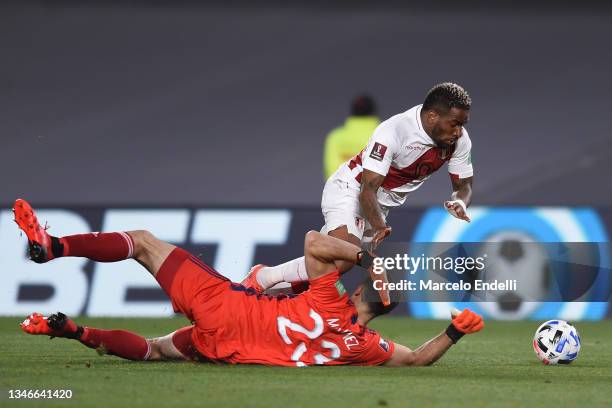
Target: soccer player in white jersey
401	154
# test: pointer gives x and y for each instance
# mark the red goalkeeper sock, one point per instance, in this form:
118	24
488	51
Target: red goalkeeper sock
120	343
97	246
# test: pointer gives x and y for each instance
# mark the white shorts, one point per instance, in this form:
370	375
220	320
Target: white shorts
340	206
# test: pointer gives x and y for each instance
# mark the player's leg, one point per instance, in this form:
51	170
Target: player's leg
263	277
150	251
294	272
177	345
97	246
342	232
181	275
343	219
120	343
340	208
155	255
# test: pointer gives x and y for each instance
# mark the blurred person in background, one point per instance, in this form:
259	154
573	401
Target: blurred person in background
346	141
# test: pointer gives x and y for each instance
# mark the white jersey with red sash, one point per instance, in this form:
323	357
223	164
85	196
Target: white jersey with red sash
401	150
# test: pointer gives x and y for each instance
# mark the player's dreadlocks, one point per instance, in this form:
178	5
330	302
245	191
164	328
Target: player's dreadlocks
445	96
376	307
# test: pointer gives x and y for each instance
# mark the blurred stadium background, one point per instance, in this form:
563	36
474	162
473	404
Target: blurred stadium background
205	122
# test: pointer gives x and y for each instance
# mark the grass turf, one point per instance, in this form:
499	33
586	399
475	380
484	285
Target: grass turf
494	367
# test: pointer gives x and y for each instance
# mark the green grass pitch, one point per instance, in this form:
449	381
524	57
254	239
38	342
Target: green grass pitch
495	367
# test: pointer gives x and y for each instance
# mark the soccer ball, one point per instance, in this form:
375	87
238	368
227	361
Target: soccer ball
556	342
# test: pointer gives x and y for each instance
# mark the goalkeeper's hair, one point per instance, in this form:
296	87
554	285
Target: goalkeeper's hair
375	307
445	96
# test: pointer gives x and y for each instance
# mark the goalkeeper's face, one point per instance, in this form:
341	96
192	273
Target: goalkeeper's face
356	297
368	304
362	306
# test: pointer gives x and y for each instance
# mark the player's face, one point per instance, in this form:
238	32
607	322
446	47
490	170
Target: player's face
356	296
447	128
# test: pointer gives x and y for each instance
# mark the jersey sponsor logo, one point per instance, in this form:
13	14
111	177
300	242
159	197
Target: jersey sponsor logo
378	151
340	288
416	147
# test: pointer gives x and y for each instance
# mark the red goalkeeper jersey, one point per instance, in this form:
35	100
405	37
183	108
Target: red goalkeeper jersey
234	324
318	326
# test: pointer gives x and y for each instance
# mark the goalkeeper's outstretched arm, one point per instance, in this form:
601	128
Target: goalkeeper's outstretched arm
465	323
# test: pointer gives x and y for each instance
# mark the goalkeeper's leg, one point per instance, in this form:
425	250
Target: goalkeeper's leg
97	246
264	277
181	275
121	343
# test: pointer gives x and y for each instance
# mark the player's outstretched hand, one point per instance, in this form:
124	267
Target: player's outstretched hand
467	321
379	235
457	209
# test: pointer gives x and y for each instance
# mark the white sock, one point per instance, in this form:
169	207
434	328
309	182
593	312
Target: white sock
292	271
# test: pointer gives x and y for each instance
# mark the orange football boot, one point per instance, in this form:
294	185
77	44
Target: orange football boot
56	325
251	280
39	242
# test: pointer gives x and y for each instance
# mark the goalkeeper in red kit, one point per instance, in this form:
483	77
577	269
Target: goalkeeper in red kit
235	324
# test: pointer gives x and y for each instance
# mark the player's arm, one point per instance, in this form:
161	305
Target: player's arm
461	198
425	355
322	251
461	174
370	183
465	322
377	159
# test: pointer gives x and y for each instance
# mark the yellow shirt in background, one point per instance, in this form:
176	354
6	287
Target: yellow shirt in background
346	141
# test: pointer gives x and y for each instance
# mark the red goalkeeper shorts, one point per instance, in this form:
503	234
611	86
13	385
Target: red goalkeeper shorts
193	286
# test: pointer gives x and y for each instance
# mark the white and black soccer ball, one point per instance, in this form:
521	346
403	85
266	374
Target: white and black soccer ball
556	342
